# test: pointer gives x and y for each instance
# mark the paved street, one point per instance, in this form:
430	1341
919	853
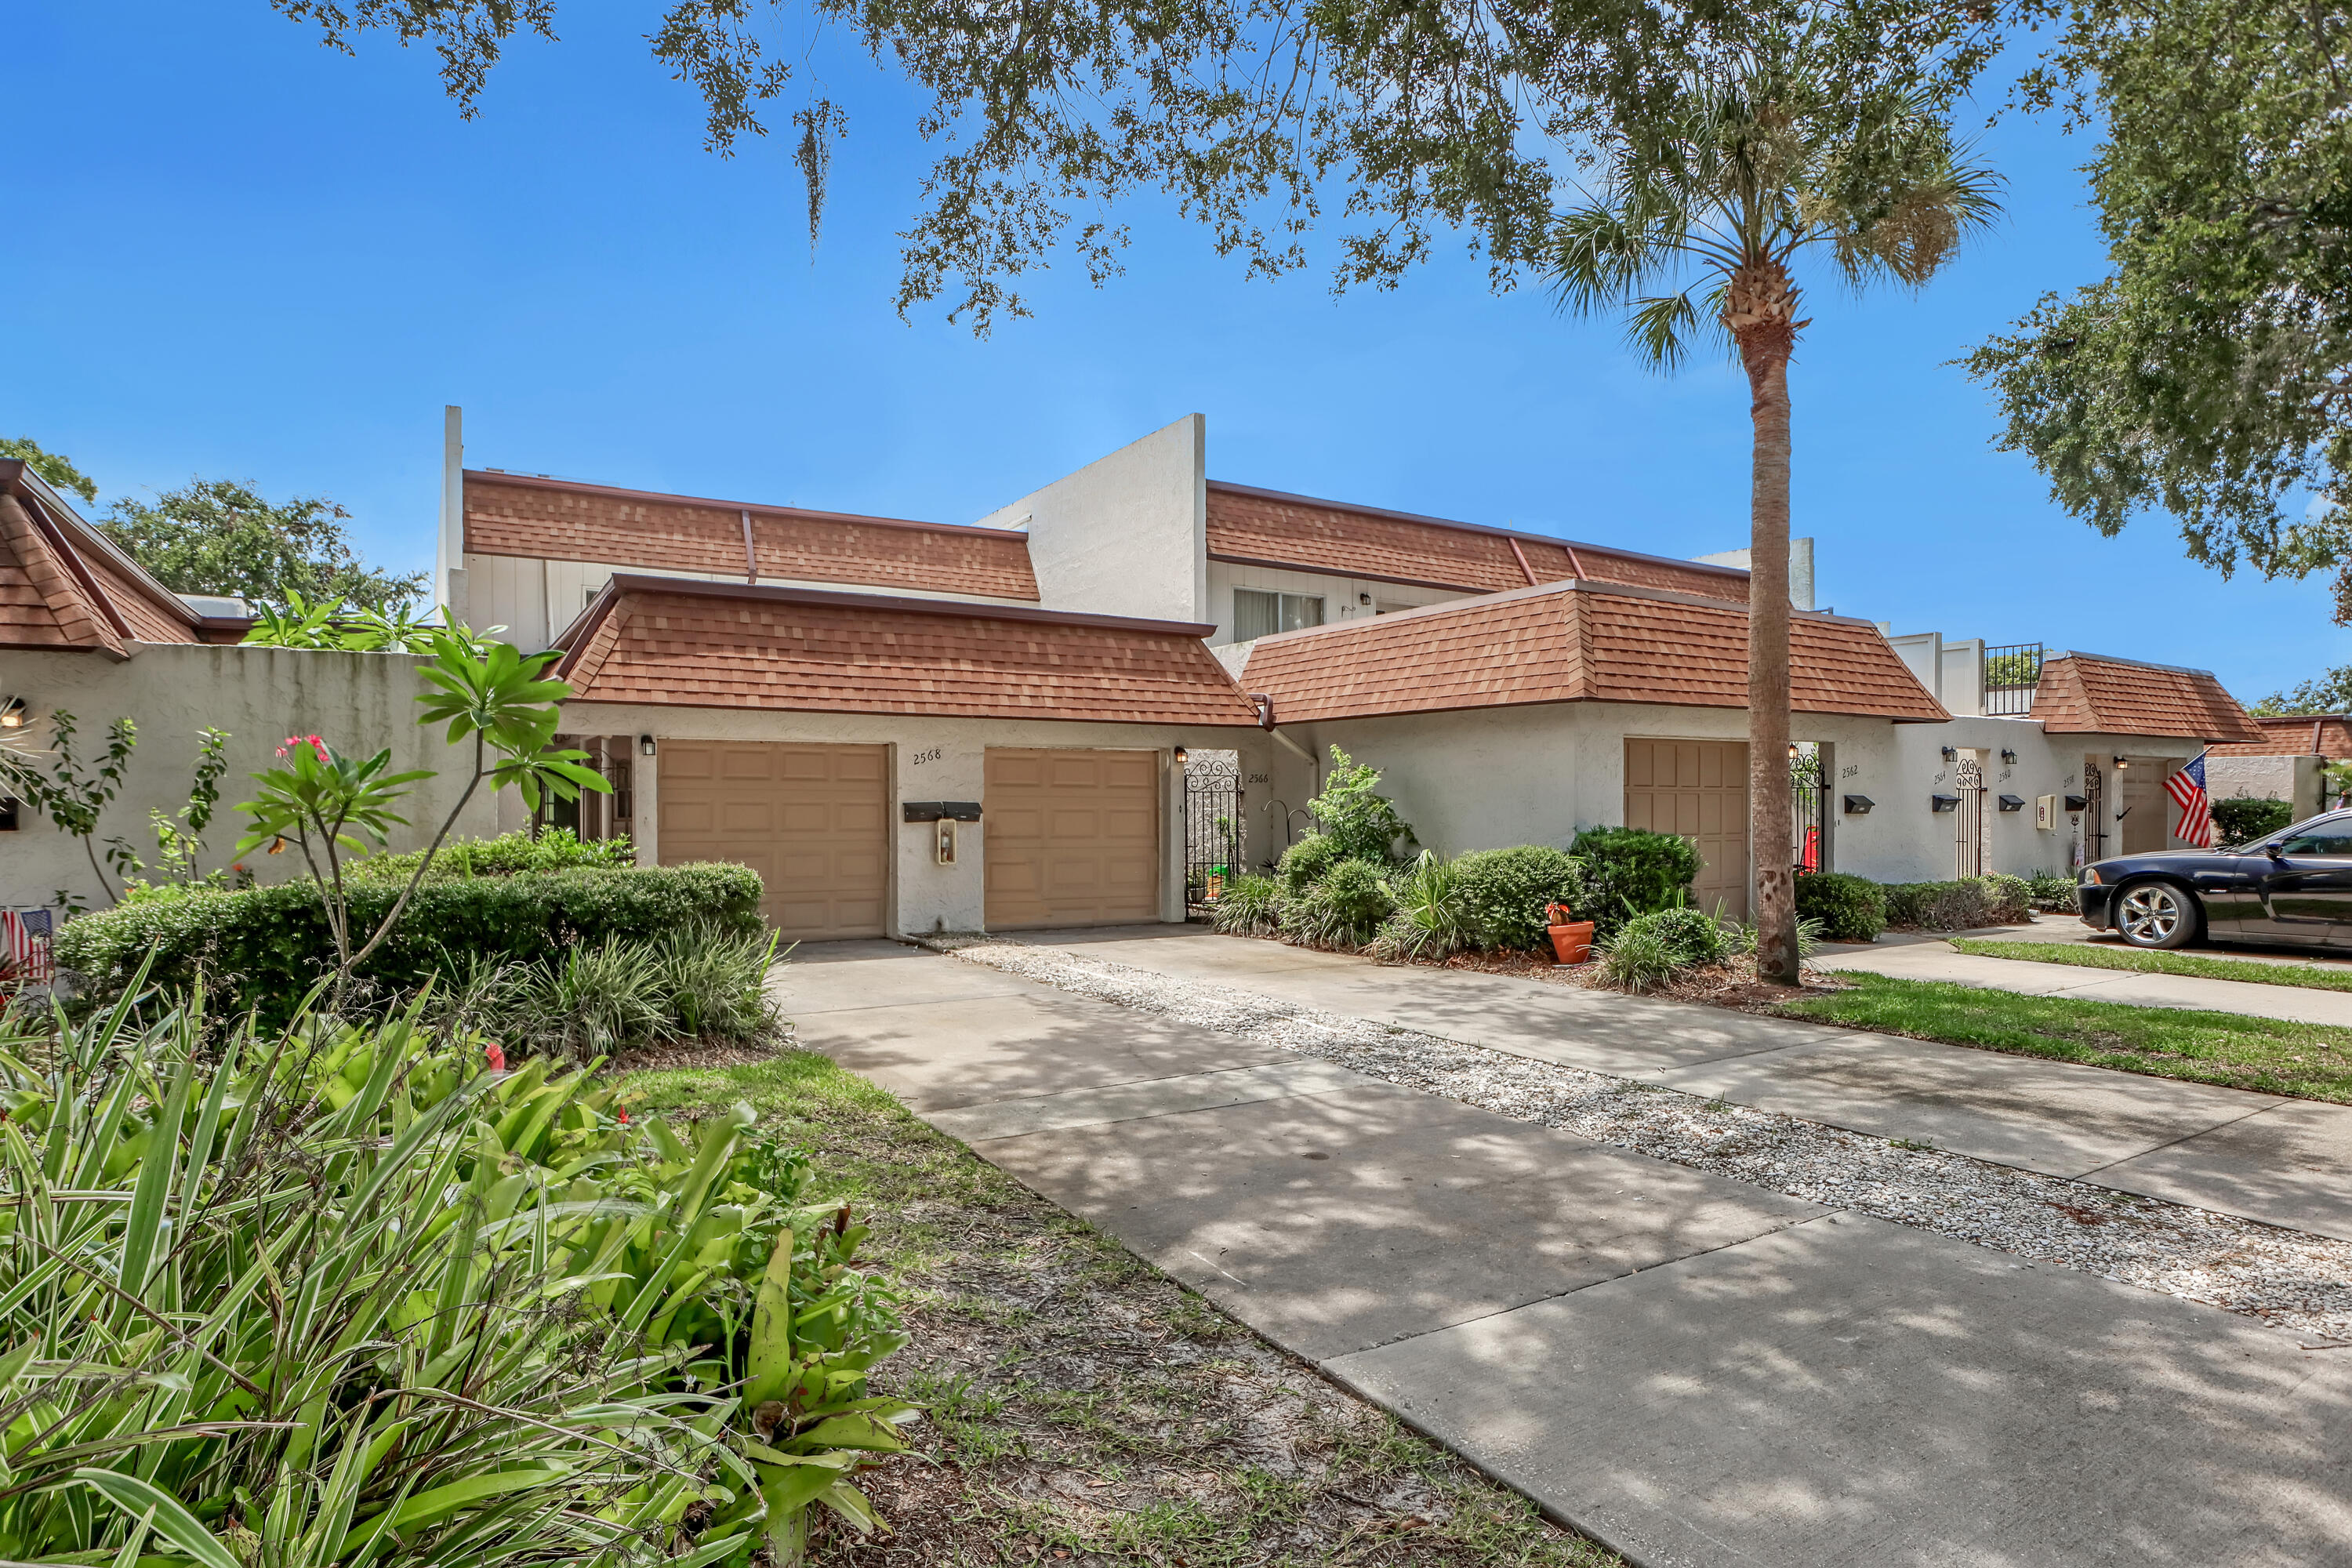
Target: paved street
1697	1370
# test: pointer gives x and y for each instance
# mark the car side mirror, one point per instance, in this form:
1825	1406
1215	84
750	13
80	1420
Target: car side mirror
2275	852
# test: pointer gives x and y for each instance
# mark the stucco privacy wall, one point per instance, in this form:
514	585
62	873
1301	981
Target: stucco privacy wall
931	759
2292	777
1128	534
1482	778
360	702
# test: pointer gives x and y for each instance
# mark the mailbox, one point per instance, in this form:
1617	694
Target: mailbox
941	810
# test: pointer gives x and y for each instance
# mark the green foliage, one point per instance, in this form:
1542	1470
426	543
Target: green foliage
264	947
331	624
1251	906
1503	892
715	983
1963	905
1632	871
1433	918
2241	821
1650	949
552	850
2053	891
2330	692
1361	823
356	1301
1344	910
1846	907
216	536
1305	863
55	467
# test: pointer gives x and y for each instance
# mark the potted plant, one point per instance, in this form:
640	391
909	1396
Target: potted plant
1572	938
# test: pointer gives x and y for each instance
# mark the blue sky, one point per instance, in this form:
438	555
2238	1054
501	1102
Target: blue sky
237	254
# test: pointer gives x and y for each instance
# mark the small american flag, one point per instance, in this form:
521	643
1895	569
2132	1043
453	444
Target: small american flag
25	948
2186	789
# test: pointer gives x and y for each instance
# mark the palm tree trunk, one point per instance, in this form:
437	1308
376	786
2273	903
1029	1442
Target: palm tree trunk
1760	309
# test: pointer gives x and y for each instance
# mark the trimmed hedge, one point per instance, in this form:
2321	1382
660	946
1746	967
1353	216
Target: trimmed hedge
1632	871
1997	899
1306	862
265	947
1504	892
553	849
2241	821
1848	908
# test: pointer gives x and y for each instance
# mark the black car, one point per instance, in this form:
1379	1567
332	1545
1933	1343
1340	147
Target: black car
2294	885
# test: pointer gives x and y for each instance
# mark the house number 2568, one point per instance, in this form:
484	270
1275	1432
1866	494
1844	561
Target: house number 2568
933	755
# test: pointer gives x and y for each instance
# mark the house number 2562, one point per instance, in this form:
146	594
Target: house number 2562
933	755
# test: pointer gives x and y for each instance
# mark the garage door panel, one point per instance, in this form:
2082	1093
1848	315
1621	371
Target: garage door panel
1073	837
810	820
1699	790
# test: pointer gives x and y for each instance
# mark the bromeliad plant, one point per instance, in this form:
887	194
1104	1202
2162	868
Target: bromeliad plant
346	1298
486	692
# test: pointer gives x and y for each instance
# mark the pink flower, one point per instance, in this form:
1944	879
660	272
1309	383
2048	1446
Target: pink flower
312	742
495	1058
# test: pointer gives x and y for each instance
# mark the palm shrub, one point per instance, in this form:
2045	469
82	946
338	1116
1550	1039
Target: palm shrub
1506	891
1434	919
1344	910
1633	872
336	1296
1251	906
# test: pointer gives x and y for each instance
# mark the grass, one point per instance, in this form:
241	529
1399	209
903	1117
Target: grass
2310	1061
2086	956
1083	1407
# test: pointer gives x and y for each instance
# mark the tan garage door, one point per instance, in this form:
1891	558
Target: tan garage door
1698	789
1072	837
810	820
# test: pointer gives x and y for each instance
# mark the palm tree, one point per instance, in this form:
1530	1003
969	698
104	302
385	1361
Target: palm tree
1713	195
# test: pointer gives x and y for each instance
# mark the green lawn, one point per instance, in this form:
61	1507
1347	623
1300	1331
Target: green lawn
1083	1409
2312	1061
2086	956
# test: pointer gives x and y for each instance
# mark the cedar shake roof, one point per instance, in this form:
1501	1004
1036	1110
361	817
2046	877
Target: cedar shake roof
2326	735
1266	527
2089	694
513	514
717	644
1574	642
64	588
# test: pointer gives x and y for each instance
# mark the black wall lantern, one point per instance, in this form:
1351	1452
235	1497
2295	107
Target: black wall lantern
1857	805
2008	756
1951	754
646	745
2013	803
1940	802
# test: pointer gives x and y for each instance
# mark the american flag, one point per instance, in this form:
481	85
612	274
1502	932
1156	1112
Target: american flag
2186	789
25	948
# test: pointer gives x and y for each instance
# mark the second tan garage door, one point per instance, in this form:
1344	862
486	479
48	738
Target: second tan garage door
1072	837
1698	789
810	820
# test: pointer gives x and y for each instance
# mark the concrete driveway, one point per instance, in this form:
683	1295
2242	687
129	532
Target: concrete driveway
1696	1369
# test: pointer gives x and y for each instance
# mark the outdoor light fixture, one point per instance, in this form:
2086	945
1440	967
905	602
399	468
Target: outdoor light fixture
1951	754
646	745
1179	756
1792	751
12	713
2007	755
2123	762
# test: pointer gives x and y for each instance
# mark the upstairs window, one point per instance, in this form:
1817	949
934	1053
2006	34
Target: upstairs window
1257	613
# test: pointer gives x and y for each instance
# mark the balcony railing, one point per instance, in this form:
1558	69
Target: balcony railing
2012	671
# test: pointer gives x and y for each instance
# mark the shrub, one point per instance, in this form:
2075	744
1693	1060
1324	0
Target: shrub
1846	909
266	946
2053	891
1637	956
715	983
1362	822
2241	821
1972	901
1346	908
1305	863
1250	906
555	849
1504	892
2009	899
1632	871
1434	919
595	1001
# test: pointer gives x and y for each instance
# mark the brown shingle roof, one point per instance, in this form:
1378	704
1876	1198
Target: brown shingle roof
716	645
1266	527
1576	642
512	514
2088	694
2326	735
64	588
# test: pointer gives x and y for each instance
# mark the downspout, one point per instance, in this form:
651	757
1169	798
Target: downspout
1265	721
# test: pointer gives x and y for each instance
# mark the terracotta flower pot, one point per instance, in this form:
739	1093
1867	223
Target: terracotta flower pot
1571	942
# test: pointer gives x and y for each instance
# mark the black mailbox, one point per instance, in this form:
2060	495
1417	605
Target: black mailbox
2013	803
1943	803
1858	805
942	810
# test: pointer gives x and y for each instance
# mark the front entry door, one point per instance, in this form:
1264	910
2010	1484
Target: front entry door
1698	789
2306	889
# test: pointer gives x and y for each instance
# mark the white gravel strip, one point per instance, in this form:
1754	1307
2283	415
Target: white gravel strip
2294	1281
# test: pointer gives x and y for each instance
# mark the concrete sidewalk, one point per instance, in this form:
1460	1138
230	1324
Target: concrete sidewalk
1935	958
1697	1371
2286	1162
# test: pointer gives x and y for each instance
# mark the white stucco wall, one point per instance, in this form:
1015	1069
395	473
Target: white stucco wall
931	759
1128	534
2289	777
360	702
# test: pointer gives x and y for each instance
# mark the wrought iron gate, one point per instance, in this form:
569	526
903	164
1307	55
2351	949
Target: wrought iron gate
1808	805
2094	813
1213	826
1967	831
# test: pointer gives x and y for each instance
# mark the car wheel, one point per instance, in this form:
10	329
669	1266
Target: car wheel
2156	915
